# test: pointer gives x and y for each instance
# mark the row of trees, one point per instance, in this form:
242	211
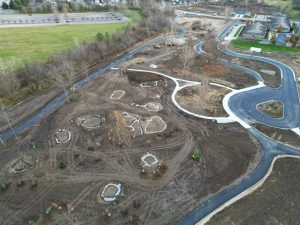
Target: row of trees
15	4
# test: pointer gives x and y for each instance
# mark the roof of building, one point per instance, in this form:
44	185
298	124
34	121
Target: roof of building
298	28
278	14
282	37
280	21
261	18
256	28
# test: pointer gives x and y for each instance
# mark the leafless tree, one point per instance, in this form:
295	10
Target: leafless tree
60	81
187	53
4	114
8	83
228	11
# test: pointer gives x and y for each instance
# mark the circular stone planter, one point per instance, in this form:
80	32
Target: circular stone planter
62	136
20	166
149	160
111	192
117	94
91	122
153	106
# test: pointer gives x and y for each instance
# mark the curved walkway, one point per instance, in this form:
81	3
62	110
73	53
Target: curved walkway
242	105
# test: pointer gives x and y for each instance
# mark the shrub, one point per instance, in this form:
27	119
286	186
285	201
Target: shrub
196	156
20	183
4	187
33	184
32	222
62	164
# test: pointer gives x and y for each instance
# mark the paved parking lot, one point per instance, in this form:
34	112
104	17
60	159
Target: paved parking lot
21	20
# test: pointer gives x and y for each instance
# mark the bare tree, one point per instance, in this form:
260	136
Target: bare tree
59	81
8	83
4	114
187	53
228	11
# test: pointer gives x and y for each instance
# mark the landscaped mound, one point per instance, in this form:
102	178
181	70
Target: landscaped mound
213	69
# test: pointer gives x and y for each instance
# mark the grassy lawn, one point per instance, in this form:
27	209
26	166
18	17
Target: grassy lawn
290	4
247	44
31	44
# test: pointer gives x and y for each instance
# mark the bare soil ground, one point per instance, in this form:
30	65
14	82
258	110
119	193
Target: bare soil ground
95	157
284	136
209	23
276	202
272	108
196	69
204	100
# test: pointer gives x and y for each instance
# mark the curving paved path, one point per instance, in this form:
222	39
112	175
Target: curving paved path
241	104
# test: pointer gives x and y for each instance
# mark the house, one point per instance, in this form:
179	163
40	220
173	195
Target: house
297	31
255	30
287	39
262	18
280	23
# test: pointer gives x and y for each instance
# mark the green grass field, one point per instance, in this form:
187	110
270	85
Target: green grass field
32	44
247	44
289	4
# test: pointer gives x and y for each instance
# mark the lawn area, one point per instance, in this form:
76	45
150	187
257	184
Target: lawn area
32	44
289	4
247	44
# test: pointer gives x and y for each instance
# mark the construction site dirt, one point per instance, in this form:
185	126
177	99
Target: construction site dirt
72	174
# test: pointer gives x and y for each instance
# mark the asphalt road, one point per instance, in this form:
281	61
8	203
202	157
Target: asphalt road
26	20
243	105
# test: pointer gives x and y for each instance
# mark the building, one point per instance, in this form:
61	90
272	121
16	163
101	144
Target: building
297	31
242	14
262	18
255	30
281	38
280	23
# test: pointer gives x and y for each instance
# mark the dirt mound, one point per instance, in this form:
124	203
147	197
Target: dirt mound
90	122
208	99
155	125
142	76
213	69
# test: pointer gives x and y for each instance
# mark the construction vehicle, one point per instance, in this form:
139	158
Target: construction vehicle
158	46
140	61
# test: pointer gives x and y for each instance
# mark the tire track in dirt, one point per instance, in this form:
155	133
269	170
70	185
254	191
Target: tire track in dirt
10	194
79	198
27	205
